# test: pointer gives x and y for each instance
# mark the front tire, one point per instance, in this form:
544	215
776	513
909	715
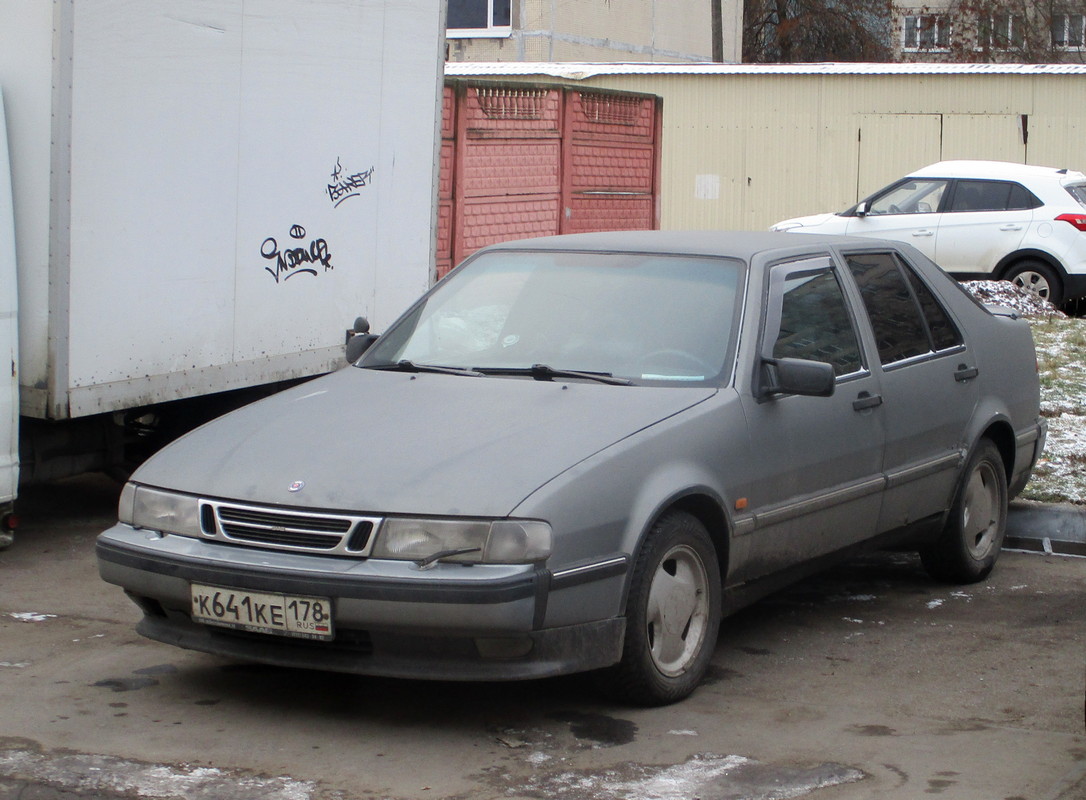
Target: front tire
967	549
1037	278
672	614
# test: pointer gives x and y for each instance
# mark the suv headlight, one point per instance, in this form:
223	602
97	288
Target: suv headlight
503	541
143	507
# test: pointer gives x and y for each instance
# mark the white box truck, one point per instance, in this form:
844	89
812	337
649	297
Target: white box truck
203	194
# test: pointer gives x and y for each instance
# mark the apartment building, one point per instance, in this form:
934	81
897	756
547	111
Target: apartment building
991	31
595	30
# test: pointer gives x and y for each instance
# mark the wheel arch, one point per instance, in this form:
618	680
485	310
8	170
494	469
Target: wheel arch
1011	259
1001	434
710	513
704	506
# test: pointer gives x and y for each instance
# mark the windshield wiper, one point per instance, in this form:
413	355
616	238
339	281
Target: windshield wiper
545	372
403	365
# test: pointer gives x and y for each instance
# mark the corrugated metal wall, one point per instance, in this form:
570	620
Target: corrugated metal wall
746	149
520	161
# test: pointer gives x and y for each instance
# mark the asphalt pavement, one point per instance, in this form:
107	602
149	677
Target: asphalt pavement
867	681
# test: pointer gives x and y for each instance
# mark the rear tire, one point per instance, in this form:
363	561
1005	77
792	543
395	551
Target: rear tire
672	615
1037	278
967	549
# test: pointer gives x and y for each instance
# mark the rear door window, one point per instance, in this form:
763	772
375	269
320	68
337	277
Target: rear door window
906	318
992	196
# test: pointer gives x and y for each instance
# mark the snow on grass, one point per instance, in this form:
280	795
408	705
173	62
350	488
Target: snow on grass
1060	475
1061	355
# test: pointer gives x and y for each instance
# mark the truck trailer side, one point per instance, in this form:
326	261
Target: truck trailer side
205	195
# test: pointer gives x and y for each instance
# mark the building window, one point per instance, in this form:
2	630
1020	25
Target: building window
1068	30
927	32
477	18
1000	31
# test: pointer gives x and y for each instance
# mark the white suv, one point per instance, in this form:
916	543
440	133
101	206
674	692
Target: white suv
980	219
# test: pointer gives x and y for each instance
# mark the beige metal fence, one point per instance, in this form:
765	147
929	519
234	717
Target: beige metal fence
744	146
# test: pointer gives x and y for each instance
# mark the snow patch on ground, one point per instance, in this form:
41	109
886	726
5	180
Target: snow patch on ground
701	775
30	616
94	773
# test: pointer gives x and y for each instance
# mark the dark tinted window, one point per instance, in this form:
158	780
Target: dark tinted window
992	196
473	14
900	331
944	334
815	322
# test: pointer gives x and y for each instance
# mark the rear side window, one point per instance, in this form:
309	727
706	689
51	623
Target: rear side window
992	196
906	317
944	333
1077	191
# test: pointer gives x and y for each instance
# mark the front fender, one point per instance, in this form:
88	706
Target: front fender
602	508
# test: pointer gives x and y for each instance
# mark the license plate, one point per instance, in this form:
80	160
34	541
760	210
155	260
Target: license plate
263	612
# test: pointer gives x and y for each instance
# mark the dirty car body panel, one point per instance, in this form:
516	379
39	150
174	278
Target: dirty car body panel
575	453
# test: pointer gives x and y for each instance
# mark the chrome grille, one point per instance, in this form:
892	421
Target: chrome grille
282	529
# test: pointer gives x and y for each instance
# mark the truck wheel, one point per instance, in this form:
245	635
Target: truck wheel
672	614
1038	279
967	549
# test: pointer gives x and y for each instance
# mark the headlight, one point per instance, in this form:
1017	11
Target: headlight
142	507
503	541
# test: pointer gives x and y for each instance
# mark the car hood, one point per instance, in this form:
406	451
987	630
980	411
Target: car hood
392	442
813	221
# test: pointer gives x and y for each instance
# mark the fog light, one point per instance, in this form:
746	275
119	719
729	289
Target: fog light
504	648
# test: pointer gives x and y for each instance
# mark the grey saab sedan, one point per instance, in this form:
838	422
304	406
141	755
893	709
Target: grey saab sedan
576	453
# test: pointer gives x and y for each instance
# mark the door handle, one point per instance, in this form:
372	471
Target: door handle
1010	226
965	373
924	232
866	400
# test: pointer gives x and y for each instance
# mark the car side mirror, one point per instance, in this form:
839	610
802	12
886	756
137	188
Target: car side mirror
861	210
797	376
359	339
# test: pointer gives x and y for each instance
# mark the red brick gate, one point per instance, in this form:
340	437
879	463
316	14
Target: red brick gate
522	160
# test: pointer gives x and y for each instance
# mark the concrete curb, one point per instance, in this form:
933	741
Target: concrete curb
1058	528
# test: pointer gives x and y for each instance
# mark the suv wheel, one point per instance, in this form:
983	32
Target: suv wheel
1038	279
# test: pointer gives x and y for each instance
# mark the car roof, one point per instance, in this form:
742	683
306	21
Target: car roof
734	244
993	169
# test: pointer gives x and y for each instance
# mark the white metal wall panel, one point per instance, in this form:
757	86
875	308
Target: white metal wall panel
26	78
154	181
246	180
892	145
1058	141
995	137
9	329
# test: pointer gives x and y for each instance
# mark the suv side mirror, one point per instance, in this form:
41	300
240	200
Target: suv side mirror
861	209
797	376
359	339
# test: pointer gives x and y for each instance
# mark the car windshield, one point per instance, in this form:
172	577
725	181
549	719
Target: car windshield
639	317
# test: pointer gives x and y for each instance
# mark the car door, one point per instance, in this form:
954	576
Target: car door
983	221
927	375
815	477
908	211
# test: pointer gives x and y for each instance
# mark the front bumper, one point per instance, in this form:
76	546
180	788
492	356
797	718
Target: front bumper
451	623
